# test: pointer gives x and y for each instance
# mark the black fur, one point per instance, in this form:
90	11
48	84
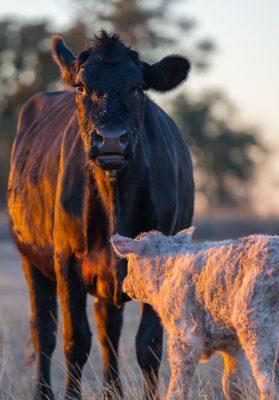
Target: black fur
166	74
73	184
162	76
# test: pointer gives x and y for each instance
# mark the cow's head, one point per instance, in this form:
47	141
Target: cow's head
110	80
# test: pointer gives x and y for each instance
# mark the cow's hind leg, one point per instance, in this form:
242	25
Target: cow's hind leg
43	326
149	344
109	320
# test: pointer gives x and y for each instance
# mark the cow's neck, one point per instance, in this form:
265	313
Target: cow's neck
112	189
107	191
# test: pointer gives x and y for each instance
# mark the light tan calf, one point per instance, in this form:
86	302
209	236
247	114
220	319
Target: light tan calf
212	296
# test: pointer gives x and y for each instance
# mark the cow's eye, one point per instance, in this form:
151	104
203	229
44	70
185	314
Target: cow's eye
80	89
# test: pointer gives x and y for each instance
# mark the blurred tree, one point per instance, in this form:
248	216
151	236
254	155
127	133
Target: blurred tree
22	61
224	156
26	68
147	26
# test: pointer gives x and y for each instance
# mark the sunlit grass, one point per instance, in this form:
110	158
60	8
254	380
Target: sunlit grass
16	376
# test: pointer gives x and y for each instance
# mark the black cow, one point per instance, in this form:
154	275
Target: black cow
87	163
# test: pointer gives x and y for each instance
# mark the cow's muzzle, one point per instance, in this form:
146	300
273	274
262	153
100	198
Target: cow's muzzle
110	147
110	161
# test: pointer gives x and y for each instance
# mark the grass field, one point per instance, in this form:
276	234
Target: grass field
16	375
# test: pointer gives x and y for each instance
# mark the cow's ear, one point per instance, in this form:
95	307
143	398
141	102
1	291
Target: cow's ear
166	74
64	58
125	246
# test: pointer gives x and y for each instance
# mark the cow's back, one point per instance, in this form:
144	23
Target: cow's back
34	170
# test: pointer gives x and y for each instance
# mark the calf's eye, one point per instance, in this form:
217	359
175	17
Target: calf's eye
139	89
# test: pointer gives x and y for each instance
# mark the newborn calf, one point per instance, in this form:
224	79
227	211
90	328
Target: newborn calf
212	296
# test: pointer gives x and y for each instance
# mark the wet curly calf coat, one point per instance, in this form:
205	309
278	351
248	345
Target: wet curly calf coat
212	296
87	162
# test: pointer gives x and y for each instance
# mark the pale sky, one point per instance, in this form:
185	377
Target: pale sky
246	64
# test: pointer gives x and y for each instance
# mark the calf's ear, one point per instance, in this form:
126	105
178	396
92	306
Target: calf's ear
64	58
186	234
166	74
125	246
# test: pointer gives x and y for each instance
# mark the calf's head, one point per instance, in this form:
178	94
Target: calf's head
149	255
110	79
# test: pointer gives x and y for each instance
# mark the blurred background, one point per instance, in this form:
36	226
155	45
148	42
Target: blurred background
227	112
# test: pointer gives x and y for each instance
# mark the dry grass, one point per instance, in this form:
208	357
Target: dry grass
16	374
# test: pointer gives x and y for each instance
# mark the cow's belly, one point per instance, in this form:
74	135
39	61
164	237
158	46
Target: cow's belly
32	228
99	272
39	257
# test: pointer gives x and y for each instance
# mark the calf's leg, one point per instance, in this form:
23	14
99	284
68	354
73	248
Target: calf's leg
265	374
43	326
260	344
76	331
149	343
183	361
109	320
236	382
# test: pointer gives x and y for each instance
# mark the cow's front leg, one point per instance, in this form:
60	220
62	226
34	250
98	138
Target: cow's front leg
76	332
43	326
149	344
183	360
109	320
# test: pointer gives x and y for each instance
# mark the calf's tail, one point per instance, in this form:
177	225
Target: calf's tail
28	356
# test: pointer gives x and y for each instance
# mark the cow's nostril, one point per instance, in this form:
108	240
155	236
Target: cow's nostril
98	139
124	139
